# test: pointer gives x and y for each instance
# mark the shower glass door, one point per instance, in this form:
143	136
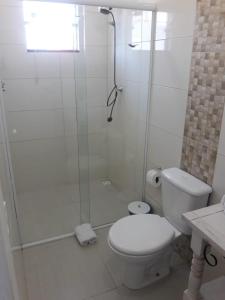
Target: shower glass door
69	164
40	107
116	40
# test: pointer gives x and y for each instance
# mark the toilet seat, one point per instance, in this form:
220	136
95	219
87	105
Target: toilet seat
140	235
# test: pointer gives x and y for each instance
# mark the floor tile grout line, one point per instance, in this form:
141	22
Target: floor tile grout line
101	293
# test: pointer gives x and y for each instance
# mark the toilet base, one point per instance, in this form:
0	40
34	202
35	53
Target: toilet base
139	275
137	281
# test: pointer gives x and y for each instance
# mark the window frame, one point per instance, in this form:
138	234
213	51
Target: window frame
75	25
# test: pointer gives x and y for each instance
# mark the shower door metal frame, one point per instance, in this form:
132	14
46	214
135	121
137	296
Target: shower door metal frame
132	4
8	161
148	115
4	222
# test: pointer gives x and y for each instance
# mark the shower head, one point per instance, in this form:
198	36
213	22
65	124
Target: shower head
105	10
108	11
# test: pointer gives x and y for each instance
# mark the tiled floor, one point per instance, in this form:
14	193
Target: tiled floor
56	211
63	270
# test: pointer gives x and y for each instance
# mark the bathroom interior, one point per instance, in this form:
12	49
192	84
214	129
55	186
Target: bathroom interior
95	97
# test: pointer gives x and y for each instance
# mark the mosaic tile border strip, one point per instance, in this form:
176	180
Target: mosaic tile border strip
206	95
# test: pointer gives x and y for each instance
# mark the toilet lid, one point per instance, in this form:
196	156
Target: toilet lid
140	234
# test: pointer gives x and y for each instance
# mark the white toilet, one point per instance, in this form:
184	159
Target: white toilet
143	242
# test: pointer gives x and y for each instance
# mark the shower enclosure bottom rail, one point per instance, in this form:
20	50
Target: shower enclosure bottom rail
56	238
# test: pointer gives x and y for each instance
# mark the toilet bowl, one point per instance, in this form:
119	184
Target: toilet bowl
143	245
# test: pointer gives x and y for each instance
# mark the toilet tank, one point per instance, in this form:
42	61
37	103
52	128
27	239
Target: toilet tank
182	192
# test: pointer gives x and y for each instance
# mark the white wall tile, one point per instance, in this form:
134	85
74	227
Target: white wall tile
71	145
136	61
132	28
164	149
29	125
122	24
115	153
81	90
97	168
16	37
132	63
80	64
47	65
38	163
96	29
121	55
70	122
145	61
97	91
136	26
172	60
11	18
120	67
132	20
96	119
146	26
7	195
175	18
11	2
82	119
126	133
16	62
171	69
32	94
97	144
168	109
67	65
129	104
96	61
91	9
69	92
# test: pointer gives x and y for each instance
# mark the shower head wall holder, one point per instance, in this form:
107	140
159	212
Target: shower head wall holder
132	45
112	24
119	89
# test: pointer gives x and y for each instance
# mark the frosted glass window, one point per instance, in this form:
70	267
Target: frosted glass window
51	26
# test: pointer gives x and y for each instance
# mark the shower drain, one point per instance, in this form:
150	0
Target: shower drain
106	182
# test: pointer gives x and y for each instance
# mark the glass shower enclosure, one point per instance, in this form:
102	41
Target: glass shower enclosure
67	163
